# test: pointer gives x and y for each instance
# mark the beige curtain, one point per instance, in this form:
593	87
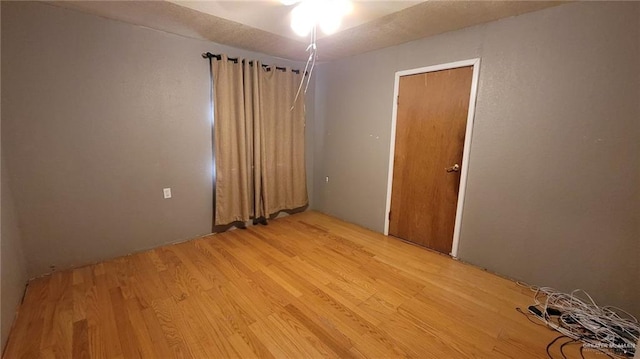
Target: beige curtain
259	141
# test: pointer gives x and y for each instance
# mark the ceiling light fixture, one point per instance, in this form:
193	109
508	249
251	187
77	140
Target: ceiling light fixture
327	14
306	17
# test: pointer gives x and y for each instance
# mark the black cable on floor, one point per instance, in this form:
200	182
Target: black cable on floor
572	341
529	315
553	342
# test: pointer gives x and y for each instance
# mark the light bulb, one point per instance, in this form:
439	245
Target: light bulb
330	15
330	22
302	19
325	13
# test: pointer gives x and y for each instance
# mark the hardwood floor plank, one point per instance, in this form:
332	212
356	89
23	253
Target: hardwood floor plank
168	321
155	259
232	258
433	319
372	348
143	339
375	305
180	276
158	339
263	333
57	332
297	329
96	342
77	276
26	335
130	348
333	339
103	340
301	338
79	293
421	343
203	263
207	329
305	285
81	340
188	261
276	275
268	248
173	285
340	316
242	348
235	312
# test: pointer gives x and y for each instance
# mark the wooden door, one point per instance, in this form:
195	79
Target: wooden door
430	130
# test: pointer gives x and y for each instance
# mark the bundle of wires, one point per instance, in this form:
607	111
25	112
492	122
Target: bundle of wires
577	316
312	49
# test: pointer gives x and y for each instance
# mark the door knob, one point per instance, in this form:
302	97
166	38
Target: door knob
454	168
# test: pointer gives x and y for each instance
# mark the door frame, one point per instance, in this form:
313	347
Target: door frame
467	140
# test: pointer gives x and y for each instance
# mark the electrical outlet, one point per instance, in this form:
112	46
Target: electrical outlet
326	179
166	192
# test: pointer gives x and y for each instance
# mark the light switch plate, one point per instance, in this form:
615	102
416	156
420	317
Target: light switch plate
166	192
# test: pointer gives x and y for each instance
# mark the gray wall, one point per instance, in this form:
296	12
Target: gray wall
13	269
553	186
98	117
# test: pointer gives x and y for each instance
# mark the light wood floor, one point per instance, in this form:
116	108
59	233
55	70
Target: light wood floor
307	286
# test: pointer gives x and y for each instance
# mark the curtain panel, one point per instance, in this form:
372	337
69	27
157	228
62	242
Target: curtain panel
259	141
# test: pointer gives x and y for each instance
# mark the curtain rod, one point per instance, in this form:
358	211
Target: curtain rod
208	55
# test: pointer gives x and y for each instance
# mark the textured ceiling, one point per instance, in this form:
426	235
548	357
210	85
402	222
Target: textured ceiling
418	21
